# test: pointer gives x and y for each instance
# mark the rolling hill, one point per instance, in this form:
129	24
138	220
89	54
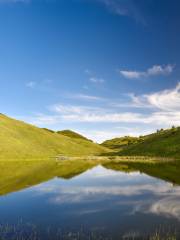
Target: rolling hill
19	140
73	135
164	143
120	143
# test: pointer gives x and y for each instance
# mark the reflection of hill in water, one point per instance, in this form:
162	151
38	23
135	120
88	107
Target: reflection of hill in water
15	176
168	171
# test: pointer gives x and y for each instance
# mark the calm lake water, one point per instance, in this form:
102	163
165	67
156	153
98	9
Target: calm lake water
97	204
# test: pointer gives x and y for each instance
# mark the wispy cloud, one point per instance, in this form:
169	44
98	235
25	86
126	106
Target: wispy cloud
31	84
118	7
93	78
96	80
72	109
124	8
15	1
155	70
163	111
165	100
87	71
165	204
161	198
86	97
70	114
44	85
75	113
101	135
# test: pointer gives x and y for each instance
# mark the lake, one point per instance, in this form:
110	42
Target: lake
96	203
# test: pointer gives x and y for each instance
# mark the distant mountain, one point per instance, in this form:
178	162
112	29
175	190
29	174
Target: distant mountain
72	134
21	140
163	143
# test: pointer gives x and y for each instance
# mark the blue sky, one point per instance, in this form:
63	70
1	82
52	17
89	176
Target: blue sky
104	68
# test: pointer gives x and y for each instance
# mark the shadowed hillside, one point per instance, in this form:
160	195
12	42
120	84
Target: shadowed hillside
120	143
21	140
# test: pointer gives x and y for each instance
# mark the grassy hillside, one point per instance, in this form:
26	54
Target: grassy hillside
21	140
164	143
72	134
119	143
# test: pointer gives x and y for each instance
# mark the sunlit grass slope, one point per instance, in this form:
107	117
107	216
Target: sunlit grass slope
24	141
164	143
73	135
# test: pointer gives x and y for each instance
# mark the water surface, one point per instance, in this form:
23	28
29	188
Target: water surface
101	203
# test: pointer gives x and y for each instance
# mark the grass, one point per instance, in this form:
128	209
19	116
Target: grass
120	143
72	134
164	143
19	140
29	231
17	175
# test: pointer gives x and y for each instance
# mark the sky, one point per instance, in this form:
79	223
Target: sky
103	68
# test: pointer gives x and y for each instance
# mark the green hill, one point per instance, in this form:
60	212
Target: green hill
72	134
164	143
21	140
120	143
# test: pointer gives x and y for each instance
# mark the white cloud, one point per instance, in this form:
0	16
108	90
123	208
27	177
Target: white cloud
101	135
86	97
96	80
15	1
124	8
93	78
148	112
116	7
72	109
93	114
31	84
44	119
167	100
87	71
131	74
138	101
155	70
160	70
165	110
82	114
